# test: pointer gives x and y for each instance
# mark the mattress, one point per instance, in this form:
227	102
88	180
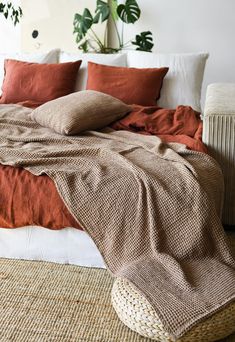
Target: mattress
65	246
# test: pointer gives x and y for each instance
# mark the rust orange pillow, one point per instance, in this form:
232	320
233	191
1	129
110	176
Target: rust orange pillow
130	85
37	83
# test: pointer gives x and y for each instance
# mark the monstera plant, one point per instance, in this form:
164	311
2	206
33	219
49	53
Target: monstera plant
9	11
110	12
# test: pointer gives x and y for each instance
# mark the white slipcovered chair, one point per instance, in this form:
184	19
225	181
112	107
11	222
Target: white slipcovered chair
219	136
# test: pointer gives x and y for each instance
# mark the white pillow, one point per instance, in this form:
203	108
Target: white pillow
183	82
50	57
119	59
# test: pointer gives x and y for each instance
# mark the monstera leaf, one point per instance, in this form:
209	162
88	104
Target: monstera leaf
144	41
82	23
102	12
129	12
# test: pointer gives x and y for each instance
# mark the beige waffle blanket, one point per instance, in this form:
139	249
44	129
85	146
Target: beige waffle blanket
152	210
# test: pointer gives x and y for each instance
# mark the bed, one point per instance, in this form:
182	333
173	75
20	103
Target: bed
36	243
142	185
29	202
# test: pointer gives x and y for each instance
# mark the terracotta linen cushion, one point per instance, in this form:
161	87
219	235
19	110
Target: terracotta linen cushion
81	111
46	57
130	85
35	82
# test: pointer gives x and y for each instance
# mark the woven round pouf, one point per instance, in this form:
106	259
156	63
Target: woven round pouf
136	313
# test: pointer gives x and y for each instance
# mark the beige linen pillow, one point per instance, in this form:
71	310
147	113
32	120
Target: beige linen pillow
80	111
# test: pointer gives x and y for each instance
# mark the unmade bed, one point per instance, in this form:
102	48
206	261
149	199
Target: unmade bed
152	208
46	230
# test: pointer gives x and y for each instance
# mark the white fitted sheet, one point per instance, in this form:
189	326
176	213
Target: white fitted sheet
65	246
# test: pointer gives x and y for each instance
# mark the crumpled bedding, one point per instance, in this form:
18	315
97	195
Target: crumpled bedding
29	200
181	125
152	210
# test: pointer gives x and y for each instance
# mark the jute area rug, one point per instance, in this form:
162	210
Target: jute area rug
44	302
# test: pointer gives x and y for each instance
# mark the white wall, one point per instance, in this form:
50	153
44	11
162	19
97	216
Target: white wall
53	19
177	25
9	34
193	26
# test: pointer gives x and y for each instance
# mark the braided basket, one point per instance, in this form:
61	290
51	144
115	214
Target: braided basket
136	312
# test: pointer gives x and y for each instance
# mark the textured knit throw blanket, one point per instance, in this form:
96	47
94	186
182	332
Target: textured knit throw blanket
152	210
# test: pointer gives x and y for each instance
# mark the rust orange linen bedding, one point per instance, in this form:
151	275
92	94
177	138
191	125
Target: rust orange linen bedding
182	125
26	199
